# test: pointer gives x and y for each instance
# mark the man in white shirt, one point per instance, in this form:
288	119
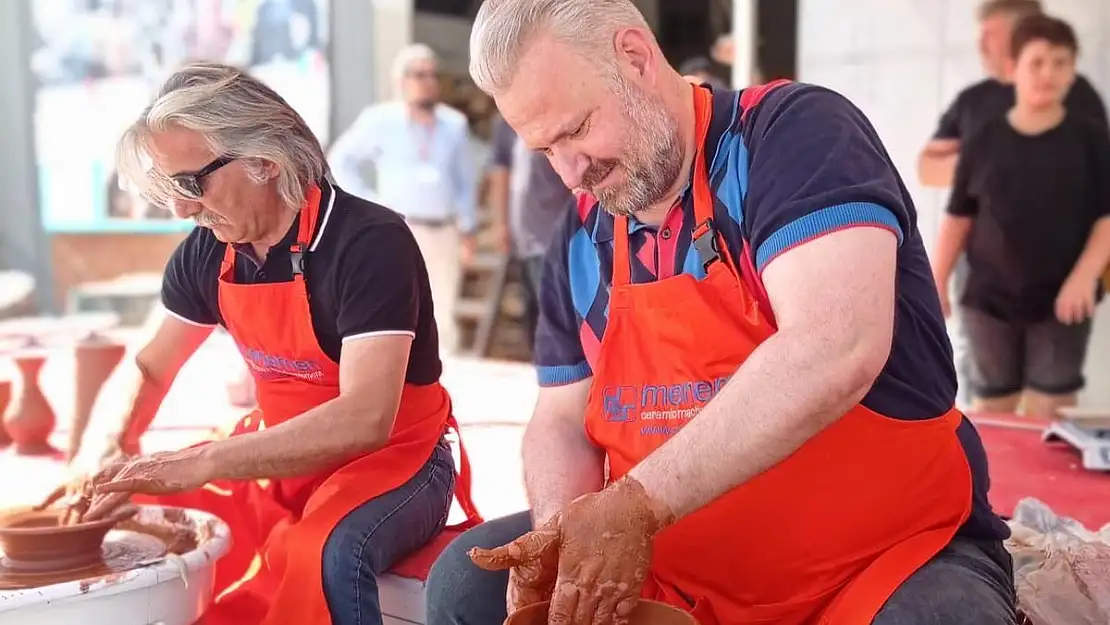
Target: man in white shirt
419	149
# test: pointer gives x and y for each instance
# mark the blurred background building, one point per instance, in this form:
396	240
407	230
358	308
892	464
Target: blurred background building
74	72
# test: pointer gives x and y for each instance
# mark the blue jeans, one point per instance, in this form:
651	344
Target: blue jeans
970	582
379	533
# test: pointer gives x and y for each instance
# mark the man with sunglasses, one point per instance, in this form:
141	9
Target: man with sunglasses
420	151
343	469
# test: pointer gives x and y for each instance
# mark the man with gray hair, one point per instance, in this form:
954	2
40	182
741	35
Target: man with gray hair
343	469
419	149
746	404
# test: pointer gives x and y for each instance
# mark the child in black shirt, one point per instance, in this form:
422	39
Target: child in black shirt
1030	205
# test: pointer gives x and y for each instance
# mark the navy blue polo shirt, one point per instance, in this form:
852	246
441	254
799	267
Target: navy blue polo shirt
364	274
789	162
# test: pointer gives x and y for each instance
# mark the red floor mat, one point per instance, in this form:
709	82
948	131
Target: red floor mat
1022	466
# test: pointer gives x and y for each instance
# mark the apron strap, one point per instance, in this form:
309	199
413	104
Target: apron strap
463	492
703	200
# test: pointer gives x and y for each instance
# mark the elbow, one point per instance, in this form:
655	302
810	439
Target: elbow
369	432
862	361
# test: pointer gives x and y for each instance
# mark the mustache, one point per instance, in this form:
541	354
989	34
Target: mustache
207	220
597	172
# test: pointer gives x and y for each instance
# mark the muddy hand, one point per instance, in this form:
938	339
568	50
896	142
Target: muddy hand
157	474
605	554
532	560
100	506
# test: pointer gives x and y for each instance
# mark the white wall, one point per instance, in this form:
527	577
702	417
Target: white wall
902	62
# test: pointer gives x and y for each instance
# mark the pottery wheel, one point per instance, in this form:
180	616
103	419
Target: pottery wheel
122	550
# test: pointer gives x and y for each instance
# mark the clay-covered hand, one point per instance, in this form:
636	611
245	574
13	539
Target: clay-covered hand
79	481
605	551
156	474
599	548
532	560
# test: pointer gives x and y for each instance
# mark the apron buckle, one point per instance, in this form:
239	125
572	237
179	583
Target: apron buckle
297	258
705	242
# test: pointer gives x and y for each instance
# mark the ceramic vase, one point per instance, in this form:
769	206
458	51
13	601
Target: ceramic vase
29	418
95	359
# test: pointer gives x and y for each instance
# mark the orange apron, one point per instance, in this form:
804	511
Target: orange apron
272	576
823	537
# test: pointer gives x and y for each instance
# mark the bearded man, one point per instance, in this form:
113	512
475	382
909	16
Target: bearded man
731	421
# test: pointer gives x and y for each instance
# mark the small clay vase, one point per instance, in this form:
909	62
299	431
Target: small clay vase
35	540
29	418
647	612
95	357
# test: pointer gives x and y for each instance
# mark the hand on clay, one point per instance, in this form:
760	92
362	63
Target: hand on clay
157	474
604	543
532	560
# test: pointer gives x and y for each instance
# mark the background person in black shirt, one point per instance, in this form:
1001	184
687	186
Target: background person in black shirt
991	97
1030	205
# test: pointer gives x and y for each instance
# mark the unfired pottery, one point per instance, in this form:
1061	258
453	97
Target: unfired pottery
95	358
36	541
646	613
29	418
5	397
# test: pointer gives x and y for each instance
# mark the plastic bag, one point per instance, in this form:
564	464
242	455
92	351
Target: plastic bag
1061	569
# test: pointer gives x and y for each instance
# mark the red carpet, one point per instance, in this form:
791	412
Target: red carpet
1022	466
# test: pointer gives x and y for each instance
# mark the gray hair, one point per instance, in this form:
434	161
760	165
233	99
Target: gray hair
411	54
503	29
239	117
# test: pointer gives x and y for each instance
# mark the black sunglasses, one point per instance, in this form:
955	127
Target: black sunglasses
190	184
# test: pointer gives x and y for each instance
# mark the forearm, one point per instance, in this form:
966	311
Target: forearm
951	242
790	388
560	465
326	436
499	196
1096	254
127	404
937	169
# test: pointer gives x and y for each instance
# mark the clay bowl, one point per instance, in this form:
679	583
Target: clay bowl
648	612
34	540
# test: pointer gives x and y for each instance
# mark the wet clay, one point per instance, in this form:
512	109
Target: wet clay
646	612
621	519
130	544
40	540
121	551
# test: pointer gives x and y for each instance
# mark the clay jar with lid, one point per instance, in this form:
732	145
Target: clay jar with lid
647	612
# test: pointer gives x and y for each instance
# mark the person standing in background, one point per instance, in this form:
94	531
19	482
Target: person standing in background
1031	205
990	98
420	151
530	200
975	106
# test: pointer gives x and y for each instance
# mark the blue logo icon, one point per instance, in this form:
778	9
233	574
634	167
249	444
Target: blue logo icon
618	402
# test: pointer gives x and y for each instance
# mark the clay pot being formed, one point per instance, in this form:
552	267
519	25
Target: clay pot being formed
95	358
647	612
35	541
29	418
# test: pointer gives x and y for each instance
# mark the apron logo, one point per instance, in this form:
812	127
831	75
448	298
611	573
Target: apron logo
666	406
618	402
269	366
